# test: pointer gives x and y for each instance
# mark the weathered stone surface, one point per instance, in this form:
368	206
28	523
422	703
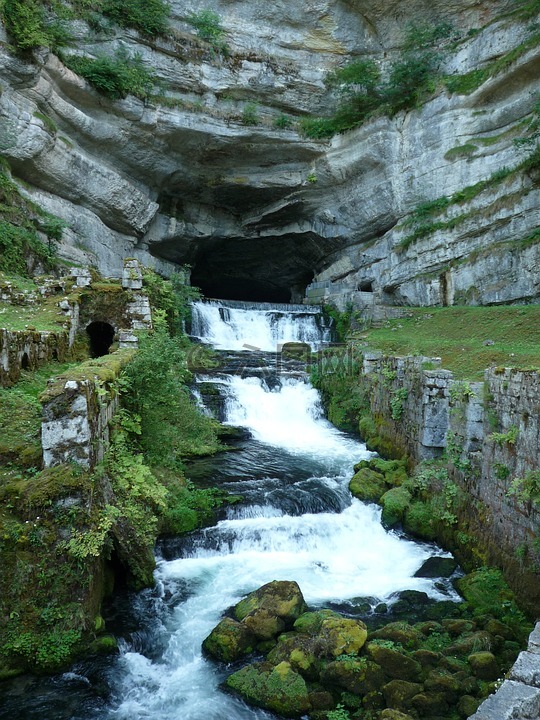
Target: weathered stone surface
513	701
393	663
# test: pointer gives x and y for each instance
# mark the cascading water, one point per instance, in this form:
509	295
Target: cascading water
297	522
241	326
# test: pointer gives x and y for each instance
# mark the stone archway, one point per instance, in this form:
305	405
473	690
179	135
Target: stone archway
101	336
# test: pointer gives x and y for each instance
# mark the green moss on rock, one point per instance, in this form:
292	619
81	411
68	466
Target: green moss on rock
279	689
395	503
368	485
229	641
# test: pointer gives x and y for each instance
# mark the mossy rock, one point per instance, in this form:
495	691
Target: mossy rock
282	598
470	643
368	485
458	626
296	350
390	714
394	471
411	601
427	658
104	645
310	622
355	675
300	651
264	624
443	682
429	704
442	609
467	705
395	664
229	641
399	693
486	590
496	627
435	567
399	632
342	636
418	521
279	689
395	502
484	665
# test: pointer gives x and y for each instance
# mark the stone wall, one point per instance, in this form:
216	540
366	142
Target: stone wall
78	407
518	698
410	395
29	349
490	433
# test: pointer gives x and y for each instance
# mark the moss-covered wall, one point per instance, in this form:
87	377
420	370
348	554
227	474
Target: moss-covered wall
77	409
487	439
29	349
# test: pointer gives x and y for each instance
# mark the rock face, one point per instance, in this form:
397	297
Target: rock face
259	211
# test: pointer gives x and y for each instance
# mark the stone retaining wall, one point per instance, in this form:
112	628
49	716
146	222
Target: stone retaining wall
77	410
29	349
518	698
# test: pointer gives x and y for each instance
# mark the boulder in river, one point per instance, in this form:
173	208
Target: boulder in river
281	598
277	688
229	641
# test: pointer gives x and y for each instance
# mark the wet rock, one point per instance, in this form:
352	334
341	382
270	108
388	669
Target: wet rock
321	700
229	641
437	567
484	665
279	689
282	598
456	627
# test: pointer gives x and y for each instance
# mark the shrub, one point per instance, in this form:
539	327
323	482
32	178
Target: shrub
208	26
282	122
249	115
116	77
150	17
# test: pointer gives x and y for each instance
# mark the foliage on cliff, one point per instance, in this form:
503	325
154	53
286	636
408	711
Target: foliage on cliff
37	23
23	227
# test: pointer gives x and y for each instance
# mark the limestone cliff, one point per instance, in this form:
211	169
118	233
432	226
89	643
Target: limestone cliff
202	173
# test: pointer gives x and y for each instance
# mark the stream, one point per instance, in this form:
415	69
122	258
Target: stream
296	521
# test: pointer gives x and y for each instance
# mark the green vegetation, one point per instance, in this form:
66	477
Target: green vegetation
116	77
420	220
461	151
250	115
457	335
469	82
282	122
21	222
410	79
37	23
209	28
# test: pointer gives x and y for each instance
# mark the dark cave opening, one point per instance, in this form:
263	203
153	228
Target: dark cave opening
101	336
239	288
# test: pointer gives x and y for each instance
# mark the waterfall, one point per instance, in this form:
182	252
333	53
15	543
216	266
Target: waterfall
297	521
256	326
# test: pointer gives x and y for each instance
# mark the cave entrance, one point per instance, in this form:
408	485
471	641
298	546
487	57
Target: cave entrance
101	335
25	362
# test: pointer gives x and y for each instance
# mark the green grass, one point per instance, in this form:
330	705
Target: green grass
20	417
457	334
45	317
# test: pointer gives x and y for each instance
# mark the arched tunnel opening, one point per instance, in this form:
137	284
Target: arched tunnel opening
101	336
240	288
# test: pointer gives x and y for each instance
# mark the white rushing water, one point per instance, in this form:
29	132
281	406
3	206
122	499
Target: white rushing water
333	556
258	327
